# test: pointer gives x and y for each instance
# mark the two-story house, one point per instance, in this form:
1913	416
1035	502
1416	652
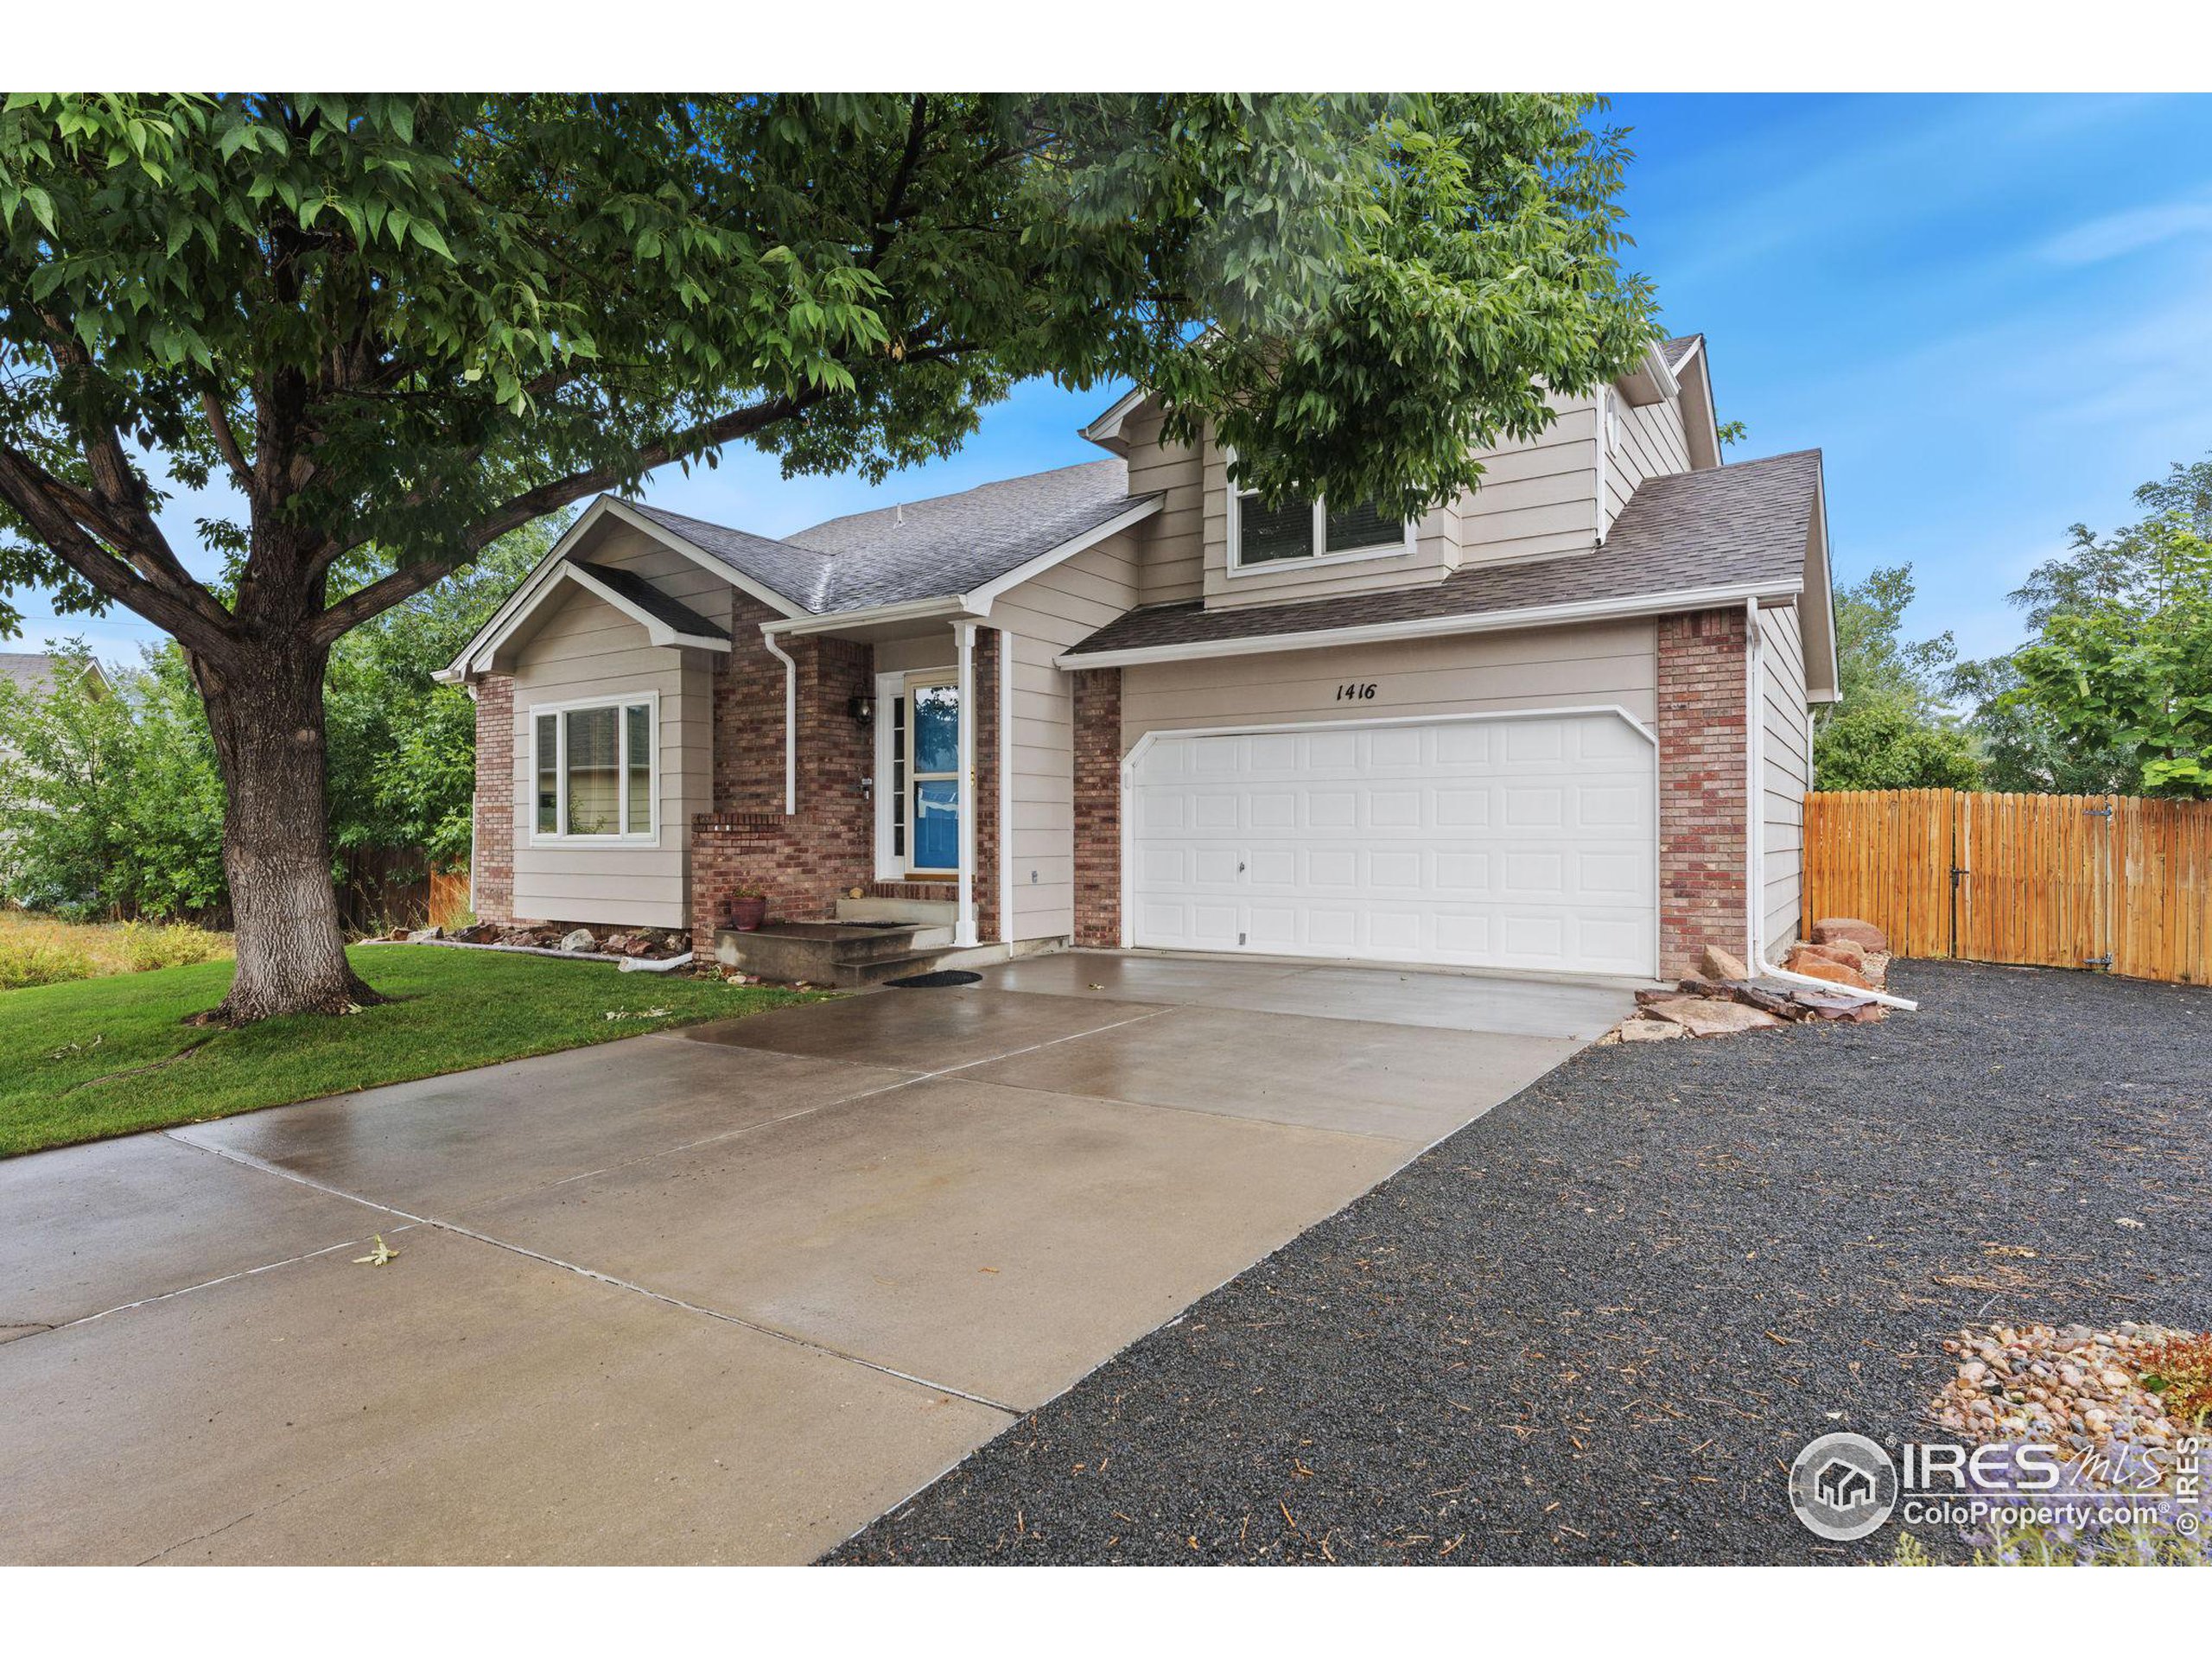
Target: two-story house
1559	725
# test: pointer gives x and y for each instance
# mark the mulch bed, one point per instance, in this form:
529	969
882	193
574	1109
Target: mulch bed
1597	1323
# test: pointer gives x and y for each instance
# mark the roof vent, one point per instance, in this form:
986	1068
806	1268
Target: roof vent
898	512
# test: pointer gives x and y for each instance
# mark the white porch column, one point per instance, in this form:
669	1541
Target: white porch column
1006	785
964	636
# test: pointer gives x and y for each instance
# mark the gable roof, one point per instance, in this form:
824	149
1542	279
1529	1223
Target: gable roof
931	548
1677	351
632	592
1737	529
39	671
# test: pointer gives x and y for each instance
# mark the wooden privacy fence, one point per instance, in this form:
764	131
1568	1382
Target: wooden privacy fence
2111	881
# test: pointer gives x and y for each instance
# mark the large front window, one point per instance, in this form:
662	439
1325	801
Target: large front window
1260	535
593	770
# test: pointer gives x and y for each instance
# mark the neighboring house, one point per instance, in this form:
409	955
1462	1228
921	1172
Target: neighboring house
1559	725
34	673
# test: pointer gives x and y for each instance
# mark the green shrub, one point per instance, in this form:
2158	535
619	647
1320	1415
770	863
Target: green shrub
29	959
147	946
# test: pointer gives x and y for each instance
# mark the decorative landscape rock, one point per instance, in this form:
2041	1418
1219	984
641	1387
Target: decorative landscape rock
2078	1387
1864	935
1840	1005
1645	1031
1802	960
1851	955
1717	963
1709	1016
580	939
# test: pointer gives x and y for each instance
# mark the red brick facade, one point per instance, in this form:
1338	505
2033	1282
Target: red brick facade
806	862
1098	806
492	863
1703	757
802	861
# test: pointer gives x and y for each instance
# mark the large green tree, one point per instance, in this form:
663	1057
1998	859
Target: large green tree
2113	691
112	804
1889	730
416	323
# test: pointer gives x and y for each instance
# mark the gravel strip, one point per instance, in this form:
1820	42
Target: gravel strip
1597	1323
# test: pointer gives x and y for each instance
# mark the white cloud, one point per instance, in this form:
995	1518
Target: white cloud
2117	234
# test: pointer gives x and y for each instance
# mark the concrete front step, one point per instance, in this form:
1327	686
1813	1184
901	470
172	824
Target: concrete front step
815	952
922	912
922	961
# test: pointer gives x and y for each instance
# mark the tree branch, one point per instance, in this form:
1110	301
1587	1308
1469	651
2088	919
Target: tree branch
226	440
44	504
402	584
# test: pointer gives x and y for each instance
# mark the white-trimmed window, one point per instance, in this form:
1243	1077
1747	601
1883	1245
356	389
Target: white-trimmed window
595	771
1262	537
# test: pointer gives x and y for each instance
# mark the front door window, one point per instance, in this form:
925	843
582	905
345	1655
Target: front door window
931	793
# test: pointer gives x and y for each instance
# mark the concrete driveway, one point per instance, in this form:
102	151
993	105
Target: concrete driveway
723	1295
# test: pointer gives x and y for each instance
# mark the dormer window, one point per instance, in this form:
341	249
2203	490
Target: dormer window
1260	535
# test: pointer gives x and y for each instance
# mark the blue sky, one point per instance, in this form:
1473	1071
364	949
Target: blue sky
1993	314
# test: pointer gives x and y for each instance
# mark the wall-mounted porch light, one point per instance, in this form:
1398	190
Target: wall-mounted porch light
861	709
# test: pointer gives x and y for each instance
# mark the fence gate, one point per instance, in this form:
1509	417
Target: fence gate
2110	882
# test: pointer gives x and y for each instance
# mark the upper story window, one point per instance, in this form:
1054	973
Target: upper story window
1260	535
595	770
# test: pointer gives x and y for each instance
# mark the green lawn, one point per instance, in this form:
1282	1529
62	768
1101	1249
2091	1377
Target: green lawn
100	1057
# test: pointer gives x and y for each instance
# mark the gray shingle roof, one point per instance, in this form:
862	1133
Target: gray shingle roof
649	600
919	550
799	575
35	671
1677	350
1745	524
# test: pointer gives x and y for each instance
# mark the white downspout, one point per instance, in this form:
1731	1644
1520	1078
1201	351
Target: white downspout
1755	827
963	929
791	719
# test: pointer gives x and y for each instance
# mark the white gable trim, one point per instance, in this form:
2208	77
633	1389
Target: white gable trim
475	657
979	599
1106	430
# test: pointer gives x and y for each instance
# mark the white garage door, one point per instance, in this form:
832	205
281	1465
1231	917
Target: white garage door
1524	842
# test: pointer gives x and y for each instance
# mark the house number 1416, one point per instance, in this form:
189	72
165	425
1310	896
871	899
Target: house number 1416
1355	691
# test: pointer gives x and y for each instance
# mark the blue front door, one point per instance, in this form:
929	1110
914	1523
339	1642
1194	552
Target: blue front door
933	778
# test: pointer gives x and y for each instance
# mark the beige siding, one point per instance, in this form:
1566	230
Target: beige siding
1044	616
1651	443
1597	665
1787	769
584	650
1170	546
1537	499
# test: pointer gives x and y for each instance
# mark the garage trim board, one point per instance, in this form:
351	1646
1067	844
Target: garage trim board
1321	839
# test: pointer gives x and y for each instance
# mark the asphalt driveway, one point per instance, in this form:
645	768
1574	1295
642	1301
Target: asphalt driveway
721	1295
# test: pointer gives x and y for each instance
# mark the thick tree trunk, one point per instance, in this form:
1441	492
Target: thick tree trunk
268	723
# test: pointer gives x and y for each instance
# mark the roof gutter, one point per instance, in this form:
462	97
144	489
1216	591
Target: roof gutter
947	606
1429	627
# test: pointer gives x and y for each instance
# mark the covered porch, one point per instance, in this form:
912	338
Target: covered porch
863	771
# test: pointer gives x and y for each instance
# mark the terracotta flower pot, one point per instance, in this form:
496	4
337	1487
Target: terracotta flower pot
745	914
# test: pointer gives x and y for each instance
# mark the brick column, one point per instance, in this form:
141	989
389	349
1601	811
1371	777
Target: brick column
1098	806
1702	845
491	874
987	785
